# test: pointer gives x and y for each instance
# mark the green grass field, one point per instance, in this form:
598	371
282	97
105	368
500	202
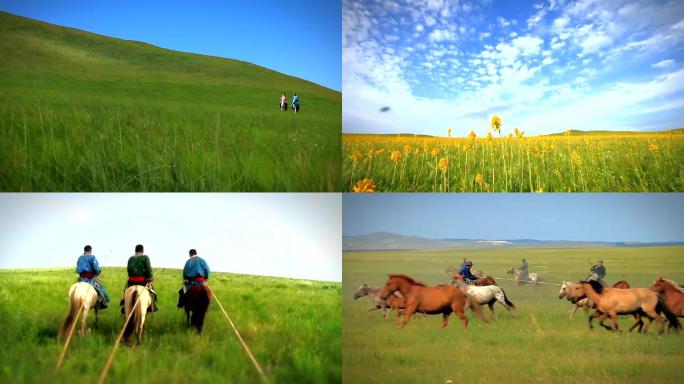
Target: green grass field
84	112
291	326
580	162
535	344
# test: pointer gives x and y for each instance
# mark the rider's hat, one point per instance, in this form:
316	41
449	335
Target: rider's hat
469	263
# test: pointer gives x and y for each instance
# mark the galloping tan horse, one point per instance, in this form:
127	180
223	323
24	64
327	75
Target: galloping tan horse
83	297
611	302
137	299
585	303
442	299
394	301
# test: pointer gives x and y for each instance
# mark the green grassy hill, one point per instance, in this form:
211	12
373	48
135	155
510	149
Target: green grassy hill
291	326
537	343
84	112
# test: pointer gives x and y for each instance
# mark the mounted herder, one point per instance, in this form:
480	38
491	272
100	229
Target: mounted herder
295	103
85	294
140	273
283	102
194	295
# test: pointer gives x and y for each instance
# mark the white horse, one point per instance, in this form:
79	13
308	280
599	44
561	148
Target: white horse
137	299
487	294
584	303
395	301
533	277
82	297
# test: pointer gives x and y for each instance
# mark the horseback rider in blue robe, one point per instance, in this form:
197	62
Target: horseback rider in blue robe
195	272
295	102
465	271
88	270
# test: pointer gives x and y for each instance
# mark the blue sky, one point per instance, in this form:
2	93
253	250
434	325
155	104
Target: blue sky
275	234
301	38
542	65
644	217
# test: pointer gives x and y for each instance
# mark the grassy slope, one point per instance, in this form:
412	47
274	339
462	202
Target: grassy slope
83	112
536	344
291	326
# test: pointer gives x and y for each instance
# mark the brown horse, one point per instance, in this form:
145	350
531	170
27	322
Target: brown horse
487	280
674	297
196	300
442	299
611	302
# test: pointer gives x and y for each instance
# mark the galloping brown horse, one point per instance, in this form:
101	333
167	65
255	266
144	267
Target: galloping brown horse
611	302
674	297
442	299
487	280
196	300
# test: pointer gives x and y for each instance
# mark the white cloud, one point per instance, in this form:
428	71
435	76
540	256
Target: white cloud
419	27
528	45
679	25
441	35
558	45
596	42
503	22
430	21
664	63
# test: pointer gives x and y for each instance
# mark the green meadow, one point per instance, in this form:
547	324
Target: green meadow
536	343
291	326
84	112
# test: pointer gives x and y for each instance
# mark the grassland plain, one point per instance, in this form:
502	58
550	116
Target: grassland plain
291	326
535	344
84	112
577	162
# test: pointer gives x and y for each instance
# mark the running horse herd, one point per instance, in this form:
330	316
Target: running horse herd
662	302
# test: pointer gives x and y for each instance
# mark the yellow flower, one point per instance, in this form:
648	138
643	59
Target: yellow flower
443	164
496	124
518	133
380	151
395	155
576	159
472	135
653	148
481	182
534	151
489	136
371	152
435	152
567	133
365	185
357	155
407	148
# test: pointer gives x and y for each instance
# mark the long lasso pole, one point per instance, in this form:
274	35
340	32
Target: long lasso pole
103	375
244	345
68	340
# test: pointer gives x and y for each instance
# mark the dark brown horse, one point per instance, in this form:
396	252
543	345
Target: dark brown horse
196	300
674	297
442	299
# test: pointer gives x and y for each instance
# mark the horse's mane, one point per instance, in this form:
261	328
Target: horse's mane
595	285
674	285
407	278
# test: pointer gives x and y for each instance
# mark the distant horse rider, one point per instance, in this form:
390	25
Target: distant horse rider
598	272
283	102
465	271
295	103
140	273
195	272
88	270
524	272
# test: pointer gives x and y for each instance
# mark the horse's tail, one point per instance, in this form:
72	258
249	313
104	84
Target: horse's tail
71	317
475	307
130	326
200	308
671	317
508	302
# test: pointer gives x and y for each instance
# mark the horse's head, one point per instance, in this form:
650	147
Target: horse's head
658	285
391	286
564	290
576	292
511	270
361	292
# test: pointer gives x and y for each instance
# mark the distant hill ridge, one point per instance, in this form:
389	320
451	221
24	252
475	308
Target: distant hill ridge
381	241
